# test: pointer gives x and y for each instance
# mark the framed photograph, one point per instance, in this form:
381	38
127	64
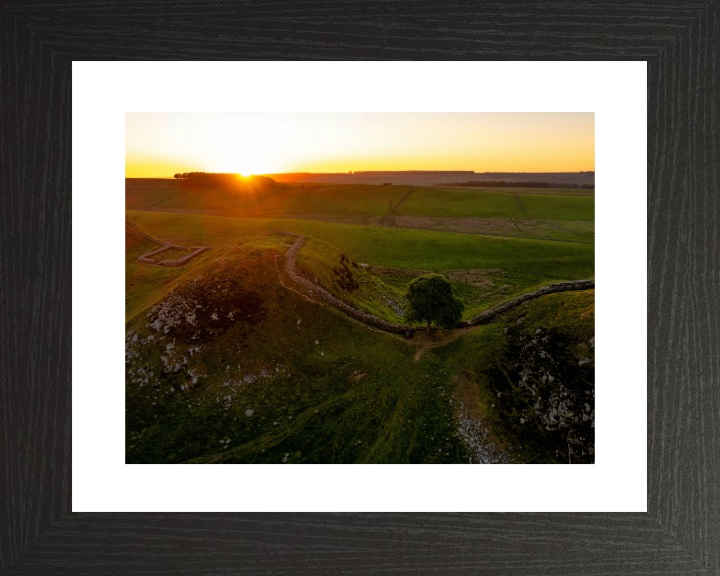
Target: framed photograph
290	303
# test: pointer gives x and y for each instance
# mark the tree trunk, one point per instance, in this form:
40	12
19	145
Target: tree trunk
428	326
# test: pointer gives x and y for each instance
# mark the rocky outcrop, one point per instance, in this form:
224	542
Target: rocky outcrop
542	386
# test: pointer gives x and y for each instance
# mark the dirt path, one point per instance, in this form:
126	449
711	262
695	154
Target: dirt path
445	337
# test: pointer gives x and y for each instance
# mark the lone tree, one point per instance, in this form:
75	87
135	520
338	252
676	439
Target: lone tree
430	299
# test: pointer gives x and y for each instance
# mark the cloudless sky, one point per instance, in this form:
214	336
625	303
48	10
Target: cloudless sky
161	144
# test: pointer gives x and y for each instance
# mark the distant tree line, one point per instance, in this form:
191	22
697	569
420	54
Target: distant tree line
508	184
225	179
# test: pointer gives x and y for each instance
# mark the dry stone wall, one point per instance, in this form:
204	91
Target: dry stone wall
330	299
481	318
489	315
146	258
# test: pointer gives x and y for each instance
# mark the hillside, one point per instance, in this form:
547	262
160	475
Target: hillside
513	212
229	338
522	265
170	195
228	362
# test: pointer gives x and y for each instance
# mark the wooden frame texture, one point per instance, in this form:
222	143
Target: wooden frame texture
680	533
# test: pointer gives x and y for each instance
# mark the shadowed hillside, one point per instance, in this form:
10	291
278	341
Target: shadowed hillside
225	362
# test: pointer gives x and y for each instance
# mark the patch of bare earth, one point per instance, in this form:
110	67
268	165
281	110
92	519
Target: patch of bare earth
397	272
472	425
437	338
482	278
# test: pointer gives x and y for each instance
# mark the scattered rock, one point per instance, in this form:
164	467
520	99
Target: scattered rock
249	413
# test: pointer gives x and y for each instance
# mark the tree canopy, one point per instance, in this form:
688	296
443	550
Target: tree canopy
430	299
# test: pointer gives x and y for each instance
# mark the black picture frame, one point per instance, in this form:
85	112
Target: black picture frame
680	533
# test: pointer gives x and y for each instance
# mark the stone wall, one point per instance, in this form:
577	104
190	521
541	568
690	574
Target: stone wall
196	250
481	318
489	315
330	299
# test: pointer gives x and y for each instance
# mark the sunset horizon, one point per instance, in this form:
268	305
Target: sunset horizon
159	145
338	288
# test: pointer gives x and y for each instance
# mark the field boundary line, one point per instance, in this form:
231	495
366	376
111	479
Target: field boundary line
411	189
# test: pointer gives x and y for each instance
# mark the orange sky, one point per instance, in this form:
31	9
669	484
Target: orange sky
159	144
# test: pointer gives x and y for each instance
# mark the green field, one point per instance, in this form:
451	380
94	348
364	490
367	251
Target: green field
225	333
456	203
359	200
331	199
178	196
391	246
296	365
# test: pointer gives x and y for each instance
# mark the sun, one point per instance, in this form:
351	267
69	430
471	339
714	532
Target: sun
244	144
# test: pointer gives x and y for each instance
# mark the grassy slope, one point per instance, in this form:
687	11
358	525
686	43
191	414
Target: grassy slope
521	190
525	264
458	203
178	195
398	412
361	200
144	283
344	279
330	199
511	212
394	247
573	313
395	413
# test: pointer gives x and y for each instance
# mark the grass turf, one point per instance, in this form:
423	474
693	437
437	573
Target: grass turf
295	364
532	261
461	203
299	375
